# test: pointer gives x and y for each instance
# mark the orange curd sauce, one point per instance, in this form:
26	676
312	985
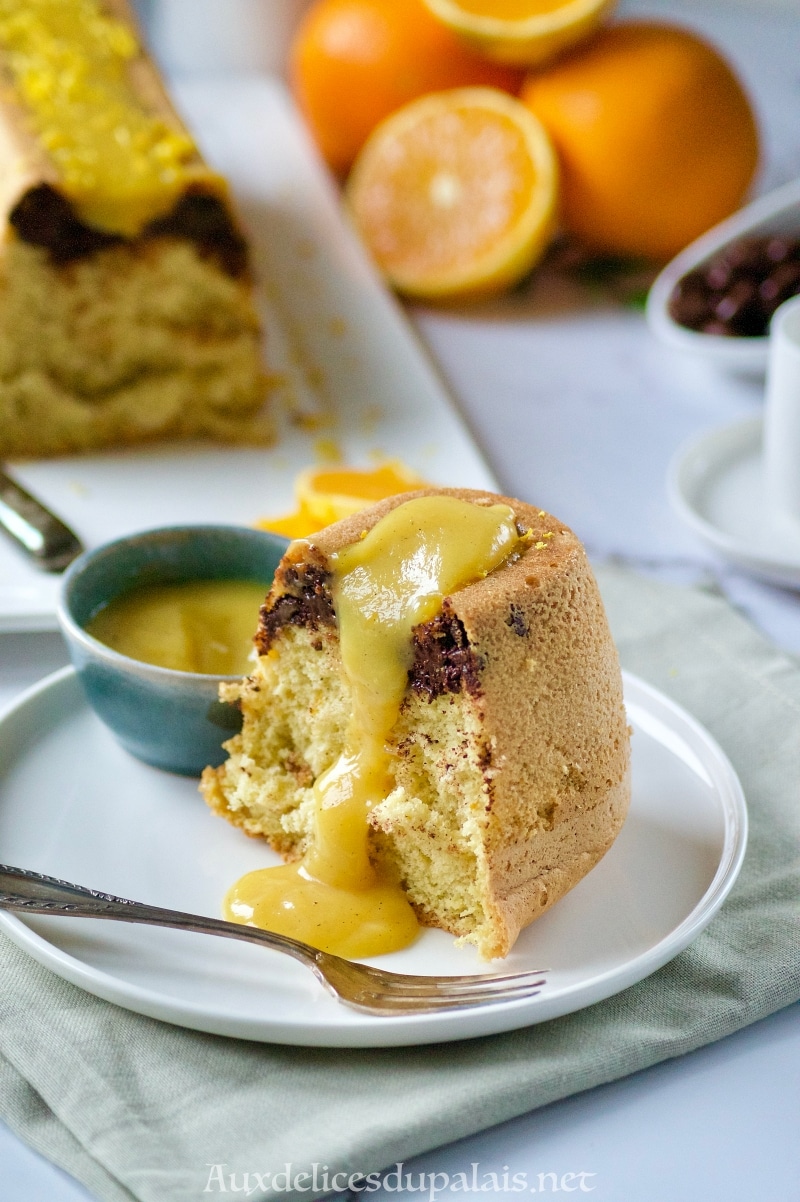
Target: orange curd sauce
393	579
204	626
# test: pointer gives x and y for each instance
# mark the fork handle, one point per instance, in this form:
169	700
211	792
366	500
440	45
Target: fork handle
49	542
29	892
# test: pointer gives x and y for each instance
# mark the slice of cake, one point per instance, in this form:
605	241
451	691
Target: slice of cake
126	311
502	771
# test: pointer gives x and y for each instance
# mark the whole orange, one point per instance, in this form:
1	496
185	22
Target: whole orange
656	138
353	62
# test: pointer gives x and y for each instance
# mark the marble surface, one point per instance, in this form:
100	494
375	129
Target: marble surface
578	409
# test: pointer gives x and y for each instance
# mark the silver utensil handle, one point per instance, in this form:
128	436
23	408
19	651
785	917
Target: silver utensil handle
49	542
27	892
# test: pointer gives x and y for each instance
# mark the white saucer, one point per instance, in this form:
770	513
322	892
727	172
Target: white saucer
74	805
716	484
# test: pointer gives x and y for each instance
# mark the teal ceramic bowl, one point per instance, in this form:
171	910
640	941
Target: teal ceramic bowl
170	719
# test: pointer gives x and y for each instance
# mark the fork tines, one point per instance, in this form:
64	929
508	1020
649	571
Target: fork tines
403	993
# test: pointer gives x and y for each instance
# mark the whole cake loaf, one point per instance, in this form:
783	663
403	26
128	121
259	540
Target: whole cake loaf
475	730
126	309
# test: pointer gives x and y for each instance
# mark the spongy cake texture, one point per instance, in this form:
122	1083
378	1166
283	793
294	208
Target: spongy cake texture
511	751
140	341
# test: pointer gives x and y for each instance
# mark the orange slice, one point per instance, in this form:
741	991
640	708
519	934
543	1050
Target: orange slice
327	494
525	32
455	194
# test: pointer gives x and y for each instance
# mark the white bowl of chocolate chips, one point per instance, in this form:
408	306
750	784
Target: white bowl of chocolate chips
717	297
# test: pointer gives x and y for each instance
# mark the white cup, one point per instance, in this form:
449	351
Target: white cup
186	36
782	416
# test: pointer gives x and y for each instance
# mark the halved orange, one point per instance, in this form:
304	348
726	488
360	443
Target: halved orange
455	194
524	32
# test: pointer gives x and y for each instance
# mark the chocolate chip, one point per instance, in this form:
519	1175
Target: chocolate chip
444	660
737	291
516	620
306	602
44	217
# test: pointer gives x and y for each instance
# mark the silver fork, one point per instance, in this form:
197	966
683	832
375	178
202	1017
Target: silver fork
373	990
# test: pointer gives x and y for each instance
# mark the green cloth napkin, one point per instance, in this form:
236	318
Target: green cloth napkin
140	1110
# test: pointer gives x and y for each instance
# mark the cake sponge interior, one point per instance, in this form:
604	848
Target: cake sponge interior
134	342
427	832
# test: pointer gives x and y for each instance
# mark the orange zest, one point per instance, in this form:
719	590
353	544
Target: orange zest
455	194
524	32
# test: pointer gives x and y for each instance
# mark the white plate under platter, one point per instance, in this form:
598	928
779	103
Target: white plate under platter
351	365
74	805
716	484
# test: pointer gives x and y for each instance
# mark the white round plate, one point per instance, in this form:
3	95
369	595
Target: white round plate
74	805
778	212
716	484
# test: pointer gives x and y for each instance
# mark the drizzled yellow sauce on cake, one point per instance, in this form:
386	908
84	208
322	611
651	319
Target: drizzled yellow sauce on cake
119	164
393	579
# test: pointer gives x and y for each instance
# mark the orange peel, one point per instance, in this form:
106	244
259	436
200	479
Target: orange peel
326	494
522	32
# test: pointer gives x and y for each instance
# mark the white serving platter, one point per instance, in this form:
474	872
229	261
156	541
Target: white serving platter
350	371
74	805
